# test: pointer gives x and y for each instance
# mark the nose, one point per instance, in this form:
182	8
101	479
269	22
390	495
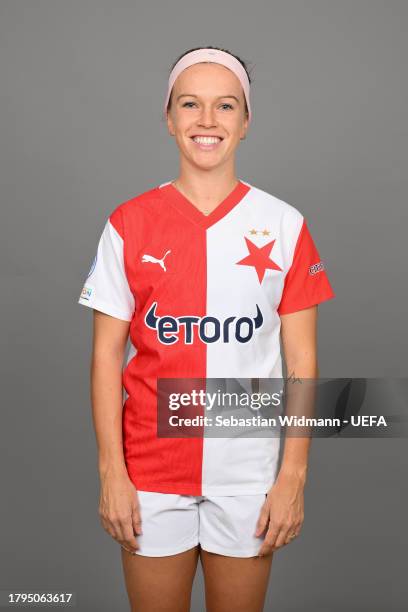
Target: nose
207	117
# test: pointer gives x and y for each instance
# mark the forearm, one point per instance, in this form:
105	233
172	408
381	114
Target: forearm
296	450
106	395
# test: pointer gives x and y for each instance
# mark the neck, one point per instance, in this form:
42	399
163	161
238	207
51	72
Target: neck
206	189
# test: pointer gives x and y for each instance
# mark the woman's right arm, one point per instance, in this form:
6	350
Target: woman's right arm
119	507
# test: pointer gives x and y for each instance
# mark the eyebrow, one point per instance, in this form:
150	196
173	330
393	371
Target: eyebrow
194	96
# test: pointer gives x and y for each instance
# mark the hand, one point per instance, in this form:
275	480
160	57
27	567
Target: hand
119	509
284	511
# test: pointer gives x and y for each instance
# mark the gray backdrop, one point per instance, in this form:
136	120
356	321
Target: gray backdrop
82	88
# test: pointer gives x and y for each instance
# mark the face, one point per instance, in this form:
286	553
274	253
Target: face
207	100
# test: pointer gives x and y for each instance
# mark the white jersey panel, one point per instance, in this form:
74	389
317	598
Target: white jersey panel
236	290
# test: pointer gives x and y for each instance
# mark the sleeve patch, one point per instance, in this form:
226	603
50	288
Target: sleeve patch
87	292
315	268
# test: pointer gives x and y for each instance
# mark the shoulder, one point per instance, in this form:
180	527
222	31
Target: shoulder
276	205
130	212
142	201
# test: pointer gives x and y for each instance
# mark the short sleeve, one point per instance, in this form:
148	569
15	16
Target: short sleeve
106	287
306	283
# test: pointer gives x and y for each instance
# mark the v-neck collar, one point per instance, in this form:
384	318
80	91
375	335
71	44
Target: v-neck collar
189	210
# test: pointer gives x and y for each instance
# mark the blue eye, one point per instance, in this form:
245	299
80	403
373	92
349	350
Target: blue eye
225	104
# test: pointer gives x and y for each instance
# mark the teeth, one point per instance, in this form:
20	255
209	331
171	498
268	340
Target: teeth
206	139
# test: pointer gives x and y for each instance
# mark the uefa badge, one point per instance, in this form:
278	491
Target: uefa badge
87	292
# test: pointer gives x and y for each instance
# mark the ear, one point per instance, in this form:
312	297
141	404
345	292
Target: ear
170	124
244	128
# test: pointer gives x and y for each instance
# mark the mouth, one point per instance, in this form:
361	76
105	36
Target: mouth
207	143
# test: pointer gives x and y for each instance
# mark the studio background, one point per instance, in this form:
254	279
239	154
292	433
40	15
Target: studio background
82	88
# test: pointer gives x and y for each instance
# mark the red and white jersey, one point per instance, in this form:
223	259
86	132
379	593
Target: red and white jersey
203	295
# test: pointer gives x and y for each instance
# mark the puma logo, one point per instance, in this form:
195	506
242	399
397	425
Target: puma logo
152	259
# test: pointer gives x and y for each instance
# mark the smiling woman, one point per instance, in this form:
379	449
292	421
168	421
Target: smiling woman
208	112
203	273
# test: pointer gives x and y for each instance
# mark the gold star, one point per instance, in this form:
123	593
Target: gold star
266	232
253	231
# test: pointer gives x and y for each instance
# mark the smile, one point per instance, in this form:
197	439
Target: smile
206	143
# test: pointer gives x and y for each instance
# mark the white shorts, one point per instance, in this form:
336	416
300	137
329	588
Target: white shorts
173	523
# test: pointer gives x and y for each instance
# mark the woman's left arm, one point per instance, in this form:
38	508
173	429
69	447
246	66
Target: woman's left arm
283	511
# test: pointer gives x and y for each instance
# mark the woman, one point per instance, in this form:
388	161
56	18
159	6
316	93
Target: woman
203	273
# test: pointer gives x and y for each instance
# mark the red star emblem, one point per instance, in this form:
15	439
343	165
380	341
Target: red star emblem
259	258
